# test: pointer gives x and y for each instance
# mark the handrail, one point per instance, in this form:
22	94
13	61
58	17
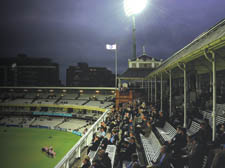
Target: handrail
83	138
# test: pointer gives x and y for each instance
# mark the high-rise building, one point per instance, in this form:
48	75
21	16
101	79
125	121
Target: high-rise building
28	71
84	76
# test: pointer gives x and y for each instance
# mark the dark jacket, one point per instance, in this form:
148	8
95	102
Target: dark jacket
162	161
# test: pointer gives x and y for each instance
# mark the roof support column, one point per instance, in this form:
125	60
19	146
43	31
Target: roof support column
196	81
148	85
151	90
170	92
213	61
155	90
170	99
142	83
161	94
210	81
183	68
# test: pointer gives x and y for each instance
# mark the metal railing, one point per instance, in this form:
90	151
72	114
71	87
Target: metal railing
75	152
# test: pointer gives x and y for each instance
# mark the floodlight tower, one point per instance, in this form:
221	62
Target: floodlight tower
133	7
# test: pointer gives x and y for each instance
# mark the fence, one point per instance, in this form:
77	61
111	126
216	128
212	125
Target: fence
75	152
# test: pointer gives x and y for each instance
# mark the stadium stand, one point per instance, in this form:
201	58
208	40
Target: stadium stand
47	121
73	124
10	121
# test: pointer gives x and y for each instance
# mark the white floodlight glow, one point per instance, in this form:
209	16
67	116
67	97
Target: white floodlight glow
133	7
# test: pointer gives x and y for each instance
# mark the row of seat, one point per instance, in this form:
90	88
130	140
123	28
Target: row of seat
151	147
152	144
111	150
195	126
167	132
208	115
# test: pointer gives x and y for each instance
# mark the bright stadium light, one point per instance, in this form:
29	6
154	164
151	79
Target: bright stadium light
133	7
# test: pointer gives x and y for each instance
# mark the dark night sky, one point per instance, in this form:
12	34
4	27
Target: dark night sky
71	31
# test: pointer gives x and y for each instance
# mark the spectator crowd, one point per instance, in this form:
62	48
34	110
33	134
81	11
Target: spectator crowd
124	125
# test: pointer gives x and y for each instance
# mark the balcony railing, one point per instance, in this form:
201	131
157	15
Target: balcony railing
75	152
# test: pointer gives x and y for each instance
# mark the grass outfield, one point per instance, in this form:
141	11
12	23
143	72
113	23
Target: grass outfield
21	147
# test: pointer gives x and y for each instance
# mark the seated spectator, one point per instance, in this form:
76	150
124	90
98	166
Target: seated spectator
126	149
86	162
196	154
147	129
104	126
134	161
102	132
105	142
95	144
132	147
160	122
163	160
179	141
204	135
219	159
85	130
104	159
220	139
114	137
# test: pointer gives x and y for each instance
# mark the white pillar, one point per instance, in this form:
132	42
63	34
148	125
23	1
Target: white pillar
151	90
185	96
155	90
148	85
185	92
161	93
214	95
213	61
170	99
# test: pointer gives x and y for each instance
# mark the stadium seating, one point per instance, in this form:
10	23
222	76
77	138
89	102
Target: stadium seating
111	150
151	147
16	121
69	96
195	126
167	132
47	121
72	124
72	102
208	115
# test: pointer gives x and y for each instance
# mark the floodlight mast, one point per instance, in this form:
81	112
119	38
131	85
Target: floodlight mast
133	7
